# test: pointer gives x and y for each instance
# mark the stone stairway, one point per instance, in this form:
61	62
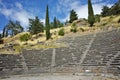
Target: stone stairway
115	61
10	64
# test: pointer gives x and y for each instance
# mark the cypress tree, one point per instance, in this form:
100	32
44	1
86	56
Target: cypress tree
91	18
73	16
55	23
47	25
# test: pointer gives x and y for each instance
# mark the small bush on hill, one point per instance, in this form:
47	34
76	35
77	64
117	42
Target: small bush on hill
73	28
82	29
25	37
119	21
61	32
1	41
17	48
104	24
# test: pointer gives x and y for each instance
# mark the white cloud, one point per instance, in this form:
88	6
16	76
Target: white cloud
96	1
18	5
1	31
43	20
17	13
82	10
6	12
67	5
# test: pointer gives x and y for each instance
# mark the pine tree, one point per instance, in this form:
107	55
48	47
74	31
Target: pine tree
105	11
12	28
35	26
91	18
55	22
47	25
73	16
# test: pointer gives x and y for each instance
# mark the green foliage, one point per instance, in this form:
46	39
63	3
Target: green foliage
105	11
61	32
25	37
73	16
52	25
104	24
55	23
82	29
47	25
114	10
73	24
119	21
0	36
91	18
97	18
35	26
1	41
17	48
73	28
59	24
12	28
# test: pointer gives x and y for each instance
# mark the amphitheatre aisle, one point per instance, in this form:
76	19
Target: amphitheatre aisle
94	53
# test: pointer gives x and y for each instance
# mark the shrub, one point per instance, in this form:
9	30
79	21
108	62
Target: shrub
17	48
25	37
73	24
104	24
1	41
119	21
73	28
61	32
82	29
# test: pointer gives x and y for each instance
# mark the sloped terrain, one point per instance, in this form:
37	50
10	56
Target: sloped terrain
98	52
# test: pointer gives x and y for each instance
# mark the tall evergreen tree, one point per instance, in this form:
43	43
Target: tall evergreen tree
35	26
55	22
73	16
91	18
0	35
4	32
47	25
105	11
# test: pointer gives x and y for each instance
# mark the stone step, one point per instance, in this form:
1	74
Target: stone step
115	64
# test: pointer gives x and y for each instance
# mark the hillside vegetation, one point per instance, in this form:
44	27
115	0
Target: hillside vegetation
39	35
39	41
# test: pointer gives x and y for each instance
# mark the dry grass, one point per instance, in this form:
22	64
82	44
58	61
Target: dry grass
106	21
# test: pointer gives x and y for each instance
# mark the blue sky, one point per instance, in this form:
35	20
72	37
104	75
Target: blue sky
22	10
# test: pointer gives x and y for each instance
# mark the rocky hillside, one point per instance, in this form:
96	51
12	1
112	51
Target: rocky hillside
14	44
